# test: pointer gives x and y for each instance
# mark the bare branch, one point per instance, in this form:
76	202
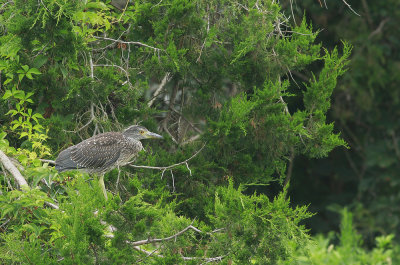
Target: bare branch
159	89
191	139
52	205
171	166
5	160
155	240
130	42
191	124
136	244
117	66
349	6
379	28
92	117
13	170
291	8
52	162
152	253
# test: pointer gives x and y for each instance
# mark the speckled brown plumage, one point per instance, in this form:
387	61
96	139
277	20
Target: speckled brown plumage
105	151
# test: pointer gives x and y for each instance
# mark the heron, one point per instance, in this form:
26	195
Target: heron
104	152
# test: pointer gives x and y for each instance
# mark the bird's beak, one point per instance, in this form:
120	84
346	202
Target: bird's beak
153	135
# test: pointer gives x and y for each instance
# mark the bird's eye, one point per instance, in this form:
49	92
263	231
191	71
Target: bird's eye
141	132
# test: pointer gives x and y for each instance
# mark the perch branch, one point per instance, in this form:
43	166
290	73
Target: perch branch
171	166
52	162
12	169
18	176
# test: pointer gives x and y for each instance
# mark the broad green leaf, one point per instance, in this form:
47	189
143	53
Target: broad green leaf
34	71
38	116
12	112
29	75
7	81
26	68
19	94
39	61
7	94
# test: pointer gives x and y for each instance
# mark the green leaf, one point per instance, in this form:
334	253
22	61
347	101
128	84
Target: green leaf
26	68
39	61
23	134
7	94
12	112
37	116
29	75
34	71
63	71
19	94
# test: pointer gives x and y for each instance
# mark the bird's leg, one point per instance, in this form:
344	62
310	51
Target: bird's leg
116	185
102	186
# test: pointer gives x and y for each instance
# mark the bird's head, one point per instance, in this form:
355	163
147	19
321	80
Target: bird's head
138	132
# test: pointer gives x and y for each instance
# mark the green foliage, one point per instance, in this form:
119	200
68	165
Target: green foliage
348	250
242	228
259	231
364	109
214	72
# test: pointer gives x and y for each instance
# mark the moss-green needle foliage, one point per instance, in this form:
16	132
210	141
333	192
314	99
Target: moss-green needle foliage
214	76
349	249
242	228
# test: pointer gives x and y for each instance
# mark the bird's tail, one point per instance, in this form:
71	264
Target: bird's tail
64	161
102	186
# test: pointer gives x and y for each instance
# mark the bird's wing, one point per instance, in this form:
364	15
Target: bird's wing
100	151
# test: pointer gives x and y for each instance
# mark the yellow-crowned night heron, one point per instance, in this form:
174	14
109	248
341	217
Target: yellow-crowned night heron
104	152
